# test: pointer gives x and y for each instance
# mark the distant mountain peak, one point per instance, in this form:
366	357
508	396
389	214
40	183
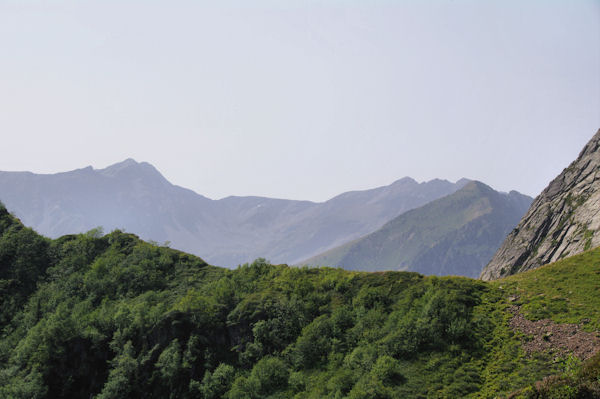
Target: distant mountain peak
437	181
87	169
128	163
405	180
131	168
476	185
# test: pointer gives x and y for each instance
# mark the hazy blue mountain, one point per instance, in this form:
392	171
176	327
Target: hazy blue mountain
454	235
137	198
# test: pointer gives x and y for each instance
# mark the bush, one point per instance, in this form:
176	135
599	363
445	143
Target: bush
271	374
313	346
215	384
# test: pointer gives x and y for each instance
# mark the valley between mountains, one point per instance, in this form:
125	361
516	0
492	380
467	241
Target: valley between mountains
136	198
96	315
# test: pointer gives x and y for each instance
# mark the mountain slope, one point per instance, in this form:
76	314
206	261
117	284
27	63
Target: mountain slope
563	220
115	317
454	235
136	197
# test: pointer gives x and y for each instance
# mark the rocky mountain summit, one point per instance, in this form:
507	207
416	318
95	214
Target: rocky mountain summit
563	220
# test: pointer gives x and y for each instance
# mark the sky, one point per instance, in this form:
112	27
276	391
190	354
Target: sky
301	99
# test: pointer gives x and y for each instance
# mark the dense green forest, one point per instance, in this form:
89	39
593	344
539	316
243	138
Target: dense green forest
111	316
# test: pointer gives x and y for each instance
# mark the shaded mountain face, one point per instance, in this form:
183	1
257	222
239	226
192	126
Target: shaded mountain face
454	235
563	220
137	198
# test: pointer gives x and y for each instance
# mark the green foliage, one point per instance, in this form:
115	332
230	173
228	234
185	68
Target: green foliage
314	344
581	381
121	379
269	374
110	316
566	291
24	258
388	371
216	384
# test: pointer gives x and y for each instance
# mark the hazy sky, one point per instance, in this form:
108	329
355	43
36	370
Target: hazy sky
301	99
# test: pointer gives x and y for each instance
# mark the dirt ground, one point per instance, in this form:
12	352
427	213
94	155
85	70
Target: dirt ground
559	339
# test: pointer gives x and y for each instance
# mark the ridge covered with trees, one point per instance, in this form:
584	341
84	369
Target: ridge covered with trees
111	316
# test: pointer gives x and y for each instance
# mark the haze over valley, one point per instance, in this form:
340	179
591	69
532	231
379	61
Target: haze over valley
135	197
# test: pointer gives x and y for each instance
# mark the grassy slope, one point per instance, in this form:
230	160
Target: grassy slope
116	317
410	233
567	291
455	235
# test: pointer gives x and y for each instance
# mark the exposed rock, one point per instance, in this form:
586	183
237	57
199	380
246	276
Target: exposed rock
560	339
564	220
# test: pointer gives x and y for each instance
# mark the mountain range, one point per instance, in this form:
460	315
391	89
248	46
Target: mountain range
112	316
135	197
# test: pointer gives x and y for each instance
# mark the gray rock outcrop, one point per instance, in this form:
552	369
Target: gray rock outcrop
564	219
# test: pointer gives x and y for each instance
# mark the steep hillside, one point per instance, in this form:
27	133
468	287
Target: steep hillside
24	258
556	311
563	220
455	235
115	317
136	197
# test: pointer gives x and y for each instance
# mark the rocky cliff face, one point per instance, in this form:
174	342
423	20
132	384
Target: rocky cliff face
563	220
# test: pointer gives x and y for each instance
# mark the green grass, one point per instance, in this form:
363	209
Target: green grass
567	291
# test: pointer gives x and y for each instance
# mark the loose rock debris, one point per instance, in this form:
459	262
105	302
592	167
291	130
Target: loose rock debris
560	339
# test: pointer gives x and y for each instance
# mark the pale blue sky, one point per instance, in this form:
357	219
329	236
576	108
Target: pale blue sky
301	99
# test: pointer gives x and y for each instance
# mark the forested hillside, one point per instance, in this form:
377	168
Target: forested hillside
115	317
